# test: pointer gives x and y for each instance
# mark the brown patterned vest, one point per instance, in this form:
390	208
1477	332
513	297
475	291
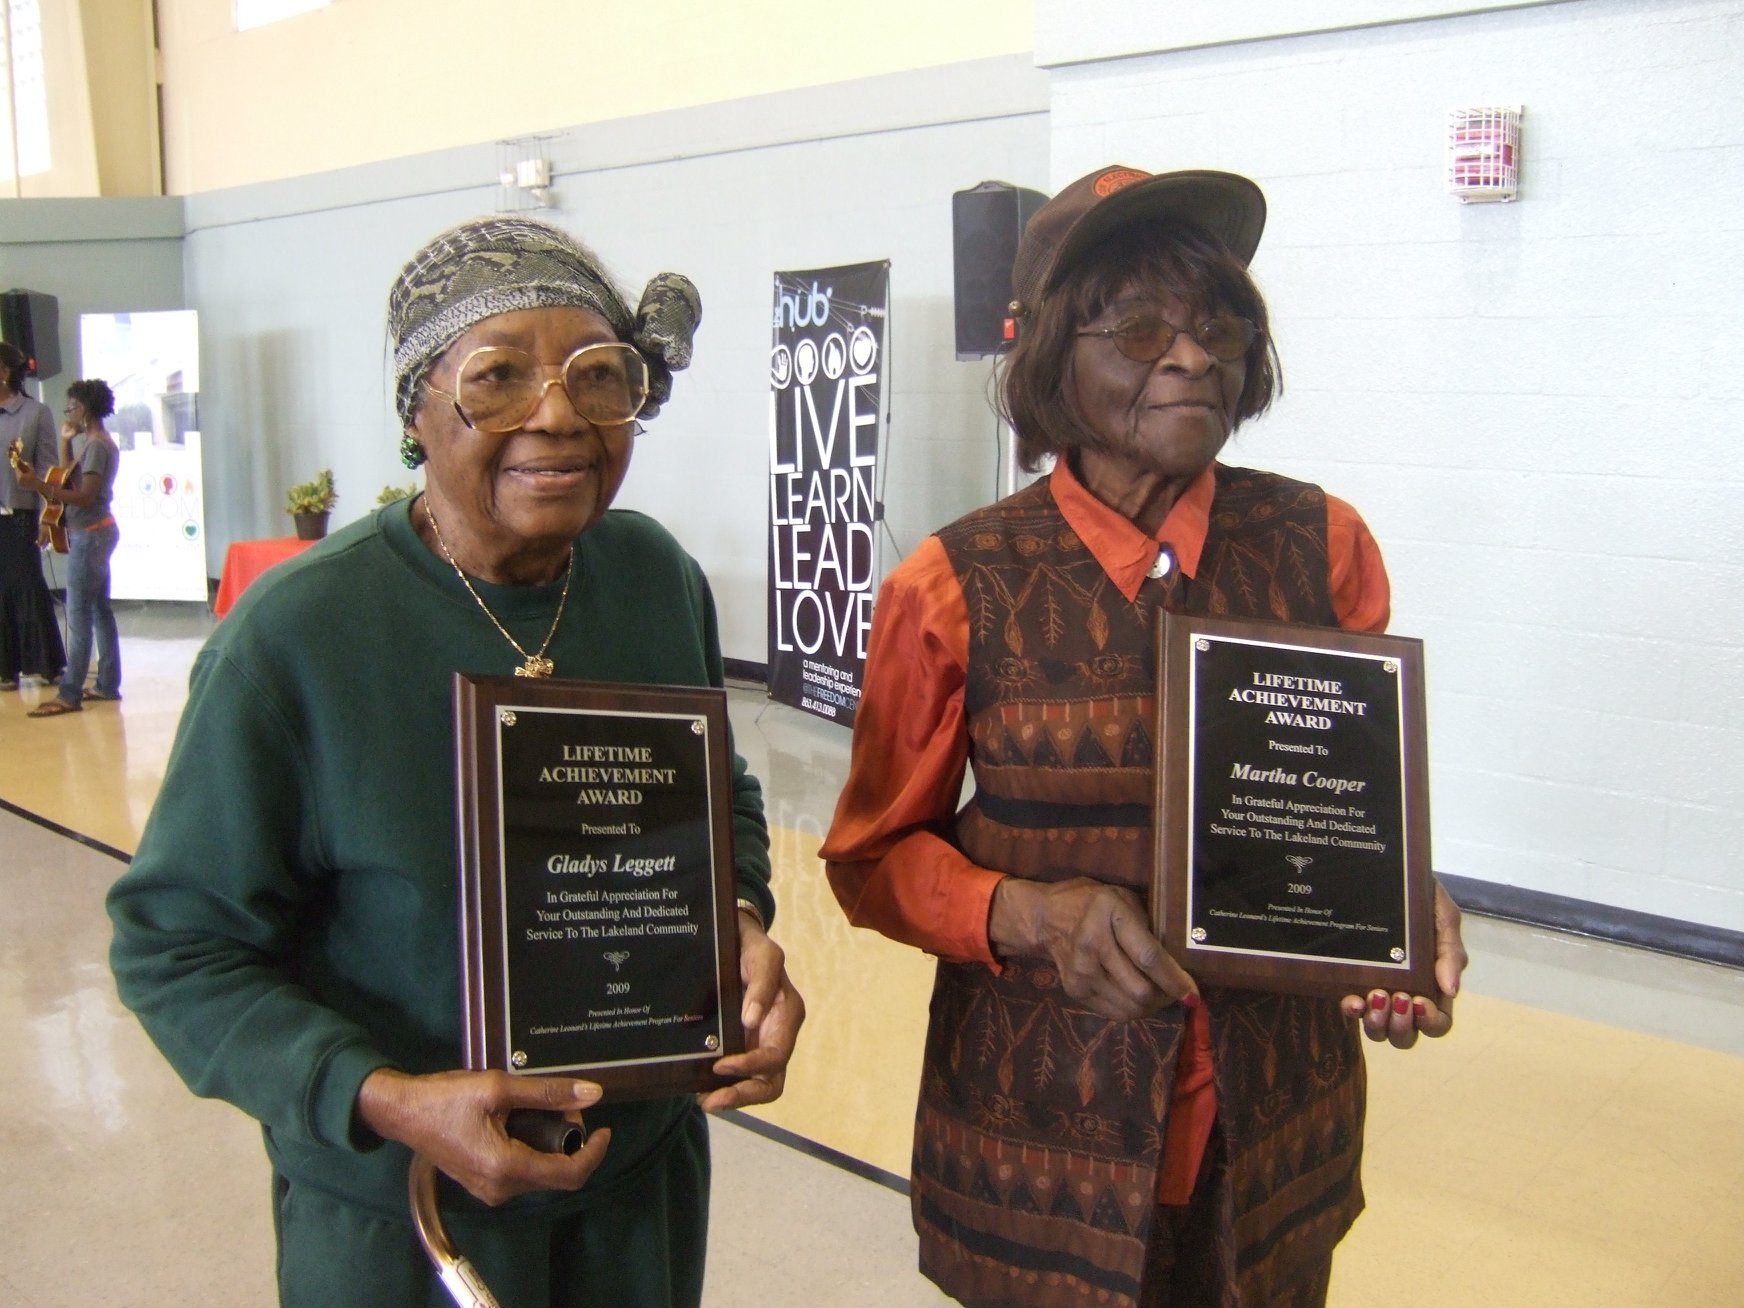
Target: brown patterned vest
1040	1126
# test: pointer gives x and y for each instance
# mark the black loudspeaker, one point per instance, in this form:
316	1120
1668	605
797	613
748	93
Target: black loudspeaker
31	320
986	222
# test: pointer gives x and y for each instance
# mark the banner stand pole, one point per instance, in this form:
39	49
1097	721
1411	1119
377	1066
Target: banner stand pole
886	397
1010	460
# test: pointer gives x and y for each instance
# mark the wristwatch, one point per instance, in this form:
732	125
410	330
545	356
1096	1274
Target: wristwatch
748	906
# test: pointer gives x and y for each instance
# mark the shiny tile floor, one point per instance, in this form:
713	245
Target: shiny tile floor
1579	1140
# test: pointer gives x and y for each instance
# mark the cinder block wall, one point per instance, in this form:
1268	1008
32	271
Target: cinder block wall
1535	405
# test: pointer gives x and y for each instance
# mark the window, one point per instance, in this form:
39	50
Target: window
26	118
258	13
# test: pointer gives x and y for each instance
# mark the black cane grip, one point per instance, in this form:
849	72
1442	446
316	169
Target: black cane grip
546	1131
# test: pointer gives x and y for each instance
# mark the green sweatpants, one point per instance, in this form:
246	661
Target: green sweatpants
642	1249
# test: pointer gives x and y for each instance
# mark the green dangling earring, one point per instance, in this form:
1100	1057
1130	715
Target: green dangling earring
411	453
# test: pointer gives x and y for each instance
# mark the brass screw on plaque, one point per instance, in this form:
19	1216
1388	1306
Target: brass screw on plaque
1199	935
1202	644
1389	667
696	727
506	717
1397	954
518	1058
711	1042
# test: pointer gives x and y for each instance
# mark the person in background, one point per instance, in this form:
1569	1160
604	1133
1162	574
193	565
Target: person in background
92	460
30	636
288	930
1092	1127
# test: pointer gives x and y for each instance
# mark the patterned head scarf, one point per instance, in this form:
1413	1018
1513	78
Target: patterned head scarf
497	265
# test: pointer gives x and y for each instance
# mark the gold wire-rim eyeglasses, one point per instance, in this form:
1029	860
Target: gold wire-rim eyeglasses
511	416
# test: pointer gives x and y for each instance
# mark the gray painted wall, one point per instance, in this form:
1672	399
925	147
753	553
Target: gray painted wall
291	282
94	256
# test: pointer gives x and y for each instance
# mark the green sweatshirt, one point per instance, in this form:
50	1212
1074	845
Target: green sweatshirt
289	922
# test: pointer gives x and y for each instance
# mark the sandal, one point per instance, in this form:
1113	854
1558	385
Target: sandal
53	708
101	698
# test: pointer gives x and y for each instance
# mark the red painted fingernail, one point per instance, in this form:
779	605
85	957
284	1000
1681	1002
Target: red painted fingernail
1190	1000
1400	1004
1378	1003
1420	1008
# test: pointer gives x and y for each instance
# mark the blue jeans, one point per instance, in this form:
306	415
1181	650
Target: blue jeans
89	611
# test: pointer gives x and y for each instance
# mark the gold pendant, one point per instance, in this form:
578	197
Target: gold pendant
535	666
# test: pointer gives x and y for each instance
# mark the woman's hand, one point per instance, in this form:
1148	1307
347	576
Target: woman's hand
1099	939
1400	1018
25	473
772	1014
456	1120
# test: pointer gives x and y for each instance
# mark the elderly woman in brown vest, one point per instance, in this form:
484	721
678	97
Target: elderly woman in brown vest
1092	1127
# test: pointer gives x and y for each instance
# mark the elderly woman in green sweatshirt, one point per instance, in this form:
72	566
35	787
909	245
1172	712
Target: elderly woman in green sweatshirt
287	932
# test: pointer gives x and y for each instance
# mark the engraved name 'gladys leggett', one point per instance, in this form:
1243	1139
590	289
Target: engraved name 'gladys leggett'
591	865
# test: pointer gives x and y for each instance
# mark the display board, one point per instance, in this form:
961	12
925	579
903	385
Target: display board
152	363
825	396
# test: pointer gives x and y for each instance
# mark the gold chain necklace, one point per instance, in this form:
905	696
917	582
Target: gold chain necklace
534	665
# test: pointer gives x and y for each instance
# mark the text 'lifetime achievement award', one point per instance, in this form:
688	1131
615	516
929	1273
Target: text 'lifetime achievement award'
597	891
1293	808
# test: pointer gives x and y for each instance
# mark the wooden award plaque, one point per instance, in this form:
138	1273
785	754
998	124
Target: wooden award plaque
598	931
1293	808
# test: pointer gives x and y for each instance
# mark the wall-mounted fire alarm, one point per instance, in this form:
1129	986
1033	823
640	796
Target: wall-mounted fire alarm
1483	154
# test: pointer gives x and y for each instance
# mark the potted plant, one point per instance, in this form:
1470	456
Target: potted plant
309	503
391	493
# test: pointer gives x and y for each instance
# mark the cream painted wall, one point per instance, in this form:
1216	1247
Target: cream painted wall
366	80
122	77
72	153
1083	30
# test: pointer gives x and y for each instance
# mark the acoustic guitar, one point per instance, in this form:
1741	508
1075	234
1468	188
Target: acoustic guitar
51	533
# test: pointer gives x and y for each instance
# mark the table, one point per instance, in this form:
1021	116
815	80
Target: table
247	559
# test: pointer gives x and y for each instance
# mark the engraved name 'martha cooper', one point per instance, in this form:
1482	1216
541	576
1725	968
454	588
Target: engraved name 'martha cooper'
1281	777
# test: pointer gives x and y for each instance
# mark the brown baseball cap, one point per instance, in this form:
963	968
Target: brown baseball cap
1230	207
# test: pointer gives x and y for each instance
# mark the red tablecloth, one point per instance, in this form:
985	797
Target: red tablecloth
247	559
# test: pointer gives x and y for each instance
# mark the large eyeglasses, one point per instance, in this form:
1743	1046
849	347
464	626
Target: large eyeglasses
497	388
1147	338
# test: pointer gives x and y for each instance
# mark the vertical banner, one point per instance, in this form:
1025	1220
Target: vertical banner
825	402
